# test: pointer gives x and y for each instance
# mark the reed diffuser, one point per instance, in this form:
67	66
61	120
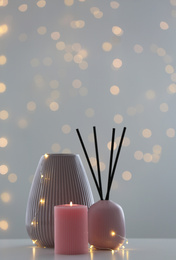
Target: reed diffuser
106	221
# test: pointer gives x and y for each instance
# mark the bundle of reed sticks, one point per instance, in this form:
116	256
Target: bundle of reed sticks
111	169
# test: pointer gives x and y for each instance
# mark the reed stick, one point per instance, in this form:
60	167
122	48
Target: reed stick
115	163
90	166
98	163
110	161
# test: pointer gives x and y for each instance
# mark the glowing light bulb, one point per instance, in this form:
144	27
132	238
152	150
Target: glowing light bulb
113	233
32	223
71	204
42	201
34	241
46	155
127	242
112	252
41	176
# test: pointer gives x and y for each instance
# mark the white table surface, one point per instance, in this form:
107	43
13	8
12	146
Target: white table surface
137	249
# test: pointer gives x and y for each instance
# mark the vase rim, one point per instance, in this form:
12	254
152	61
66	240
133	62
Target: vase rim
61	154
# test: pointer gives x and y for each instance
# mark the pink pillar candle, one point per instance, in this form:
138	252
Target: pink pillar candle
71	229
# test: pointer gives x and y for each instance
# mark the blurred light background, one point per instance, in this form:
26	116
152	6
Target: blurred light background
78	63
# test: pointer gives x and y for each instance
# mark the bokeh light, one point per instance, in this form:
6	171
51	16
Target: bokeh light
42	30
4	225
3	60
147	133
157	149
126	175
117	63
138	155
118	119
90	112
55	36
68	2
107	46
155	158
4	114
79	24
3	142
5	197
109	145
12	177
172	88
23	8
55	148
41	3
3	169
117	30
115	90
147	157
22	123
83	65
138	48
60	46
3	2
161	52
54	106
2	87
150	94
170	132
114	4
31	106
96	12
76	83
164	107
66	129
3	29
164	25
169	69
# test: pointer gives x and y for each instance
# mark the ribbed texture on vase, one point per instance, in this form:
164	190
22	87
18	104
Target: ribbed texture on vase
59	179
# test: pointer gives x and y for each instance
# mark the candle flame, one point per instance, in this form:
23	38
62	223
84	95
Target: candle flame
71	204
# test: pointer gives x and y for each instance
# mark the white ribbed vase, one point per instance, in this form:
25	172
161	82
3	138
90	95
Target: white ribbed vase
59	179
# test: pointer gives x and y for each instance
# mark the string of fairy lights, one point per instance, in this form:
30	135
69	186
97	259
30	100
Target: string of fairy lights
41	201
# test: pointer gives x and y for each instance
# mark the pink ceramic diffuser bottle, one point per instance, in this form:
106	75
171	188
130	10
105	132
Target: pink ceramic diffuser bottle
106	221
